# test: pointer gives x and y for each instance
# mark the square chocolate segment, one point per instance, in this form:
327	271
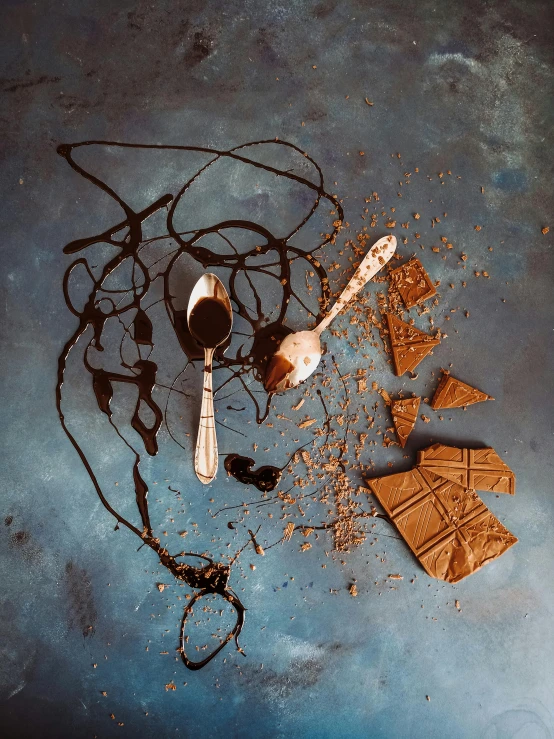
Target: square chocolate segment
413	283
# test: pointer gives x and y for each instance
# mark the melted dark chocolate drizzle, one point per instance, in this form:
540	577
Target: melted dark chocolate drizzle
265	478
213	577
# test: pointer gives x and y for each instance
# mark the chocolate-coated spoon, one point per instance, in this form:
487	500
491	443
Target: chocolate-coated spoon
299	353
210	319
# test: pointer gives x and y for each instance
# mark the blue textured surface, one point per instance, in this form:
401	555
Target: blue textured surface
459	86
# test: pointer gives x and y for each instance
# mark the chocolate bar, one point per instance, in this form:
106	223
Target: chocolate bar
446	525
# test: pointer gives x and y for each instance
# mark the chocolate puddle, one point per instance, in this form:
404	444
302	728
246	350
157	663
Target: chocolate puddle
265	478
100	306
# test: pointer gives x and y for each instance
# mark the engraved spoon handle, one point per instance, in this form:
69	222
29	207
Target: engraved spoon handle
374	260
205	457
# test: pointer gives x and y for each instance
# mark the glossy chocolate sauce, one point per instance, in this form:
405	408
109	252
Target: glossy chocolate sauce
265	478
130	307
277	372
209	322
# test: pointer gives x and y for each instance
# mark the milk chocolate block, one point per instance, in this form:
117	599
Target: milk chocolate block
472	545
409	345
453	393
447	527
404	417
413	283
476	469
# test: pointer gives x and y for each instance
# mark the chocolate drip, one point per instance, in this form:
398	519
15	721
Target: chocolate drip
127	237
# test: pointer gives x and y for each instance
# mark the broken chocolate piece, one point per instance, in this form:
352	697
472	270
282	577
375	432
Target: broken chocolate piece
404	417
453	393
447	527
413	283
471	546
477	469
409	345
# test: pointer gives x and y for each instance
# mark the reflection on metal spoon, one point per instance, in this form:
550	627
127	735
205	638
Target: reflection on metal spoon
210	319
299	353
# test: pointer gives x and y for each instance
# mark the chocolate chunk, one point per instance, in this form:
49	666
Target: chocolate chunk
453	393
471	546
404	417
413	283
447	526
477	469
409	345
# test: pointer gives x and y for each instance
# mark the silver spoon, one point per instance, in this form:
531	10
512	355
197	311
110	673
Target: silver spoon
299	353
210	319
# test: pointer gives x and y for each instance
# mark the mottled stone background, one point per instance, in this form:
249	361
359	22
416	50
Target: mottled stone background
465	86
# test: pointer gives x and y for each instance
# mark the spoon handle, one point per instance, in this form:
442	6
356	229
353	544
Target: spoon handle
374	260
205	457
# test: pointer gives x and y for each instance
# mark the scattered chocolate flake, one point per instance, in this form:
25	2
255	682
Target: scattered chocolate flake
287	534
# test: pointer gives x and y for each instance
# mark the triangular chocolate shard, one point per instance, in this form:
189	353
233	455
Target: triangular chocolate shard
404	333
409	345
453	393
404	417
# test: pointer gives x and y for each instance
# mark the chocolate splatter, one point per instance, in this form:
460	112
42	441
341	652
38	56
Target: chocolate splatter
129	307
20	538
82	611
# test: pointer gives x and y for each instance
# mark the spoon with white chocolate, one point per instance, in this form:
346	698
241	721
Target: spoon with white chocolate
299	353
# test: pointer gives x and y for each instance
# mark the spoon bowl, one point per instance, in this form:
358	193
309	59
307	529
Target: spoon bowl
210	320
299	353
